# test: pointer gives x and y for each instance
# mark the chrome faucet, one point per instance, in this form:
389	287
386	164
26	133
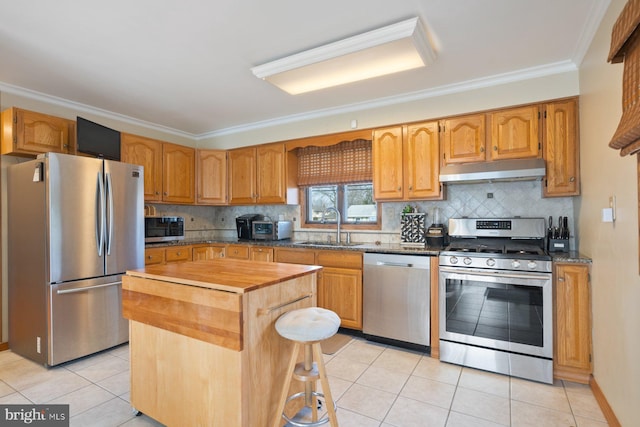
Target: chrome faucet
338	220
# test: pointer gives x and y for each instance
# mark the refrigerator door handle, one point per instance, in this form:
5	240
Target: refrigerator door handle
110	215
88	288
101	220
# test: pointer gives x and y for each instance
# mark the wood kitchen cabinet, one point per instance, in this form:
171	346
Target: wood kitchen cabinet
178	173
561	149
207	252
169	169
294	256
145	152
515	133
167	254
211	177
154	256
27	133
257	175
340	285
261	253
339	282
406	162
572	338
464	139
237	251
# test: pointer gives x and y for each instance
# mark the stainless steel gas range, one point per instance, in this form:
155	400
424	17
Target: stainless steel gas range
496	297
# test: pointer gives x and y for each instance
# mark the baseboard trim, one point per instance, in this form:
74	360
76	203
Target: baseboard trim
609	415
4	346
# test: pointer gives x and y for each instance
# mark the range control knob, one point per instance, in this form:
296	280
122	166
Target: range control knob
491	262
515	263
532	265
466	260
453	260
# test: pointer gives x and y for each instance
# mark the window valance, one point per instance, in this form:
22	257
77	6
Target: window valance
625	47
346	162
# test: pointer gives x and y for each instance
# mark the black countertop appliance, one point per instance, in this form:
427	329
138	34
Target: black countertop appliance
437	232
244	225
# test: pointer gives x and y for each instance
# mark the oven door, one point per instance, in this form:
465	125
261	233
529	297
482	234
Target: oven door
508	311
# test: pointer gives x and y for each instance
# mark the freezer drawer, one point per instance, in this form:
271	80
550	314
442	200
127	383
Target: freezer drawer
86	317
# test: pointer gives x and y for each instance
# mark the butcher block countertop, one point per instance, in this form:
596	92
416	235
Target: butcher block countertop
203	346
238	276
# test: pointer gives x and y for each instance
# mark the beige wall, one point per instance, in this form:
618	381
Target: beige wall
615	282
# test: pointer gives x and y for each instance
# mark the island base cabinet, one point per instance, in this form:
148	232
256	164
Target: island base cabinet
179	396
182	381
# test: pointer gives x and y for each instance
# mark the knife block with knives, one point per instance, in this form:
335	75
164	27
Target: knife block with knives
558	236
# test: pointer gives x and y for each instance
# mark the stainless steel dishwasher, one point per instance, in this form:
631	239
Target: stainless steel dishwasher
396	297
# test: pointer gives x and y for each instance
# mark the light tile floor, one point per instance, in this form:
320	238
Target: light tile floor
374	385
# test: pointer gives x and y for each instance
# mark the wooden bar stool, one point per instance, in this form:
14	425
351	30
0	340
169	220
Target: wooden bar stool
307	327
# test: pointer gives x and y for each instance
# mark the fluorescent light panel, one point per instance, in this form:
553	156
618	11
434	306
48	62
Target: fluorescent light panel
398	47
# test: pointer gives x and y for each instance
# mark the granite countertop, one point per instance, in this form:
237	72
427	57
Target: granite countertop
390	248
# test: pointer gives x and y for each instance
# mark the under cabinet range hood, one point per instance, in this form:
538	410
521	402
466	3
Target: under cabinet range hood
498	170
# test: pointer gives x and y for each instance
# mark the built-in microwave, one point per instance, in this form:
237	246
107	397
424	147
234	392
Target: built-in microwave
163	228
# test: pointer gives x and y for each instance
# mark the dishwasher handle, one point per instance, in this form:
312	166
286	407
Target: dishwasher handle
397	264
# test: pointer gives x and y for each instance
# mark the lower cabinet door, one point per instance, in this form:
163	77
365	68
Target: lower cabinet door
340	290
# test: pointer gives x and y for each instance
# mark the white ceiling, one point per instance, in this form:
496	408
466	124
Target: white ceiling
185	65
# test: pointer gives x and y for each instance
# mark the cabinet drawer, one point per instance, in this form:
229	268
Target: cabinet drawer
154	256
340	259
238	251
182	253
295	256
261	254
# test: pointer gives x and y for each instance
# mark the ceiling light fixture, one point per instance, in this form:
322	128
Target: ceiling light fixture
398	47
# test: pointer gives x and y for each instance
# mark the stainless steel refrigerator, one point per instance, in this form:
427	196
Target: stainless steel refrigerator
75	225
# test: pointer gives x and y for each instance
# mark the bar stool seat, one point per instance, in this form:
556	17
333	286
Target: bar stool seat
307	327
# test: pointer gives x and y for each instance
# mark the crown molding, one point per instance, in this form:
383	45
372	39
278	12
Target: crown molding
83	108
495	80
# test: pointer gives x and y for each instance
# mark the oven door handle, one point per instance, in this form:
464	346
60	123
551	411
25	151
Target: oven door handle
494	273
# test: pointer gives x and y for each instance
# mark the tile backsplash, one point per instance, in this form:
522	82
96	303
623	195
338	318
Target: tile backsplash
493	200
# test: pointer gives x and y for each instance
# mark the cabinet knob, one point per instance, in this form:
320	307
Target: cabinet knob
399	188
560	279
179	253
157	193
411	188
149	257
495	148
165	193
572	179
482	149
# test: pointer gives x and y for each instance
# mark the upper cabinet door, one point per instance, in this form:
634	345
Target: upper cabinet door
145	152
422	161
387	164
515	133
270	173
30	133
464	139
561	149
242	176
179	167
211	177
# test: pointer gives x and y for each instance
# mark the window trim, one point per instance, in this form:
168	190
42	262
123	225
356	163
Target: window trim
349	226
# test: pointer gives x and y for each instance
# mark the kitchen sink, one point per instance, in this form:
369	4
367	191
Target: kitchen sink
330	244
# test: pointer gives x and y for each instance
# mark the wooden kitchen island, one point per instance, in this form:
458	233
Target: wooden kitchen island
203	347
